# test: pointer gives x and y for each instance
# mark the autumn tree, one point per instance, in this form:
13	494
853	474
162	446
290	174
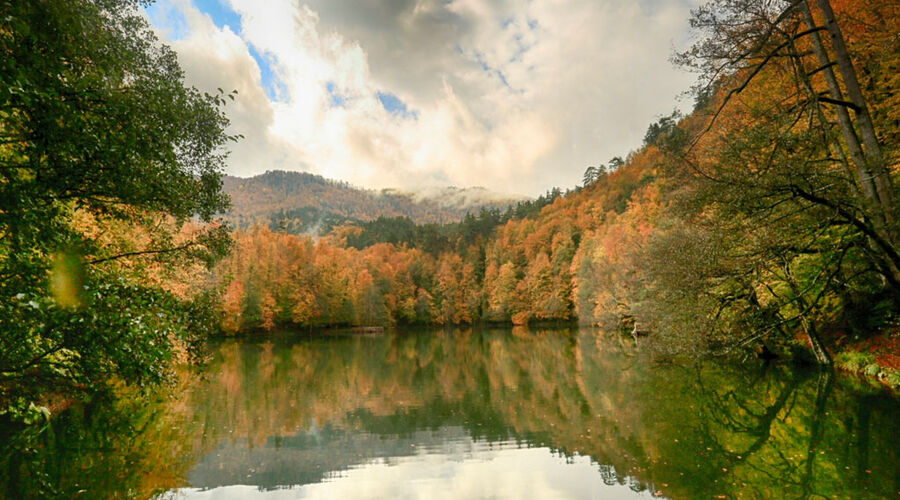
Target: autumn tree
789	161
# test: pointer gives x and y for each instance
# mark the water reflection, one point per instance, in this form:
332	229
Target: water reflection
465	414
445	464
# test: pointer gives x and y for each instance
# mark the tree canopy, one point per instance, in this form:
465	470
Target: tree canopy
98	134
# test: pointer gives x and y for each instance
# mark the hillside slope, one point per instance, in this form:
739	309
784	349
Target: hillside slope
300	202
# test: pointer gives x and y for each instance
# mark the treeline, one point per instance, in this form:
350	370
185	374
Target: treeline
438	238
434	237
766	214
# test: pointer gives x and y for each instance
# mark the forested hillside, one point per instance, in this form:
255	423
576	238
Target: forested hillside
299	202
765	217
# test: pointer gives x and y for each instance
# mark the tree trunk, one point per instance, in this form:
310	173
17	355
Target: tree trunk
873	154
822	356
857	173
869	162
819	417
864	176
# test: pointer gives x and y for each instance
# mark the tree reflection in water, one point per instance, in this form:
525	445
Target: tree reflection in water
286	411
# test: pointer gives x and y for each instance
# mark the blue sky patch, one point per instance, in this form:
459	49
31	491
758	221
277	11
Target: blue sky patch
502	78
337	100
521	49
395	106
274	88
479	58
169	19
221	13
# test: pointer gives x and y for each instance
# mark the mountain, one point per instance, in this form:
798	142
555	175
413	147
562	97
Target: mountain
300	202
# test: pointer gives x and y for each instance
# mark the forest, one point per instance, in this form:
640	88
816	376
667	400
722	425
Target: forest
763	221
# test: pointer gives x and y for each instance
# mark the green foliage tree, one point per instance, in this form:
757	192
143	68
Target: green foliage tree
656	131
95	121
590	175
615	163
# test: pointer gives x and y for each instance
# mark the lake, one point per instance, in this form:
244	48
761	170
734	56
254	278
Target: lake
562	413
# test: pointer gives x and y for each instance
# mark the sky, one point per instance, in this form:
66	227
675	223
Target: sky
516	96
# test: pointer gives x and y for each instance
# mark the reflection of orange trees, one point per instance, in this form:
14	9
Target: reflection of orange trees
682	427
689	431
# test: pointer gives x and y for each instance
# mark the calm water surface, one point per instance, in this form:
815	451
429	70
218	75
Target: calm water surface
470	414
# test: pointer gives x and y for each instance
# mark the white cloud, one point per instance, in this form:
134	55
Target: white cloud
516	95
218	58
